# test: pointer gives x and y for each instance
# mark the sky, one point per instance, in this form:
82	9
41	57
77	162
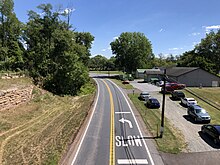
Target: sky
172	26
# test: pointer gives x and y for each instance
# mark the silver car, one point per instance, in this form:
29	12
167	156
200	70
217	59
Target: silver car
144	96
198	114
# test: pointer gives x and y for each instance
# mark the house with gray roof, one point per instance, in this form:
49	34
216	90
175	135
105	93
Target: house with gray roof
193	76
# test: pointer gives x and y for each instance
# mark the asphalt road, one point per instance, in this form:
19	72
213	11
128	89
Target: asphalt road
113	135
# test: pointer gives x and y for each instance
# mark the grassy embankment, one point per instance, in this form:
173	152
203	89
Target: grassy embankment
212	94
172	141
40	131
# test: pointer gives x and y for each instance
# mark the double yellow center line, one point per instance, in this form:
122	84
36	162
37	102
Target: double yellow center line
112	129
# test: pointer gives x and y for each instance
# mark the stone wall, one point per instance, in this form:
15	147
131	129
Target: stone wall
13	97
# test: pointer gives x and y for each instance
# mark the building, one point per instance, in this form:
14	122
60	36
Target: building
193	76
148	74
140	73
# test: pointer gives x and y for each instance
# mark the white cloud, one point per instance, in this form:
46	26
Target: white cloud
195	34
114	38
213	27
103	50
67	11
195	43
174	49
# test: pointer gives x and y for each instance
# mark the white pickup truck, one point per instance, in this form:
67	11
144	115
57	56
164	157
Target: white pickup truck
188	101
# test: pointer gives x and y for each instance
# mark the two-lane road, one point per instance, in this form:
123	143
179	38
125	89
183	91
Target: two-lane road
112	135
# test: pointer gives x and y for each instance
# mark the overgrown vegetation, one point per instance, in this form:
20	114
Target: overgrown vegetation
172	141
55	56
40	131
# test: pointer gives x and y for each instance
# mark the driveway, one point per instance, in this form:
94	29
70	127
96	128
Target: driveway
177	115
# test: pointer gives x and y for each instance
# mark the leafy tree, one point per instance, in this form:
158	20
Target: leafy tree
205	55
132	51
10	31
209	49
54	57
98	62
111	63
84	39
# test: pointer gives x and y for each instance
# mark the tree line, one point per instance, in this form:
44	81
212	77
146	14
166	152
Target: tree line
132	50
55	56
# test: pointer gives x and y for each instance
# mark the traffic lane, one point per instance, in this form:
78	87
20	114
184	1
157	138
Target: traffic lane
129	142
95	146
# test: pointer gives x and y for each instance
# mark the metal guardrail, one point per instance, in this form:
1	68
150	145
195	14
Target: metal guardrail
211	103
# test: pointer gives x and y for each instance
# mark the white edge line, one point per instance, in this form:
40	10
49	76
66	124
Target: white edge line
79	147
152	162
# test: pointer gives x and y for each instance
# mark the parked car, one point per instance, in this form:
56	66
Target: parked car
213	131
160	83
152	103
198	114
125	82
168	89
144	96
177	95
188	101
177	86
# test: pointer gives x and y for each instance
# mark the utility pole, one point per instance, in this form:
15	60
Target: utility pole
163	105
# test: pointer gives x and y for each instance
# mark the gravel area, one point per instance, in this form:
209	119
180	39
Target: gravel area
177	115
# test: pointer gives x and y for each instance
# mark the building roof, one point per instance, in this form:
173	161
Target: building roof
141	70
178	71
153	71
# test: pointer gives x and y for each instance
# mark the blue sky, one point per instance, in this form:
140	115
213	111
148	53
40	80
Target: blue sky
172	26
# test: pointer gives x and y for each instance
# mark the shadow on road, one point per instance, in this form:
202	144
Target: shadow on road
188	118
208	140
144	137
183	105
103	77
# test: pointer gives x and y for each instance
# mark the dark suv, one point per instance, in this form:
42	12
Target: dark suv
198	114
176	95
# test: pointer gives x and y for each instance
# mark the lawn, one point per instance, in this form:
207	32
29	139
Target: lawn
40	131
172	141
210	93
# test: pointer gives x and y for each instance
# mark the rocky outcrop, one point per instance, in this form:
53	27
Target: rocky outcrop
15	96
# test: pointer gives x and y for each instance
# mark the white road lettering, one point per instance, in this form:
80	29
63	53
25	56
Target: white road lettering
120	141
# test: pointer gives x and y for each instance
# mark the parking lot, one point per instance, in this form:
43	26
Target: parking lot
177	115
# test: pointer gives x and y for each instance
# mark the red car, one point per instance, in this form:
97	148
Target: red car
177	86
173	86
